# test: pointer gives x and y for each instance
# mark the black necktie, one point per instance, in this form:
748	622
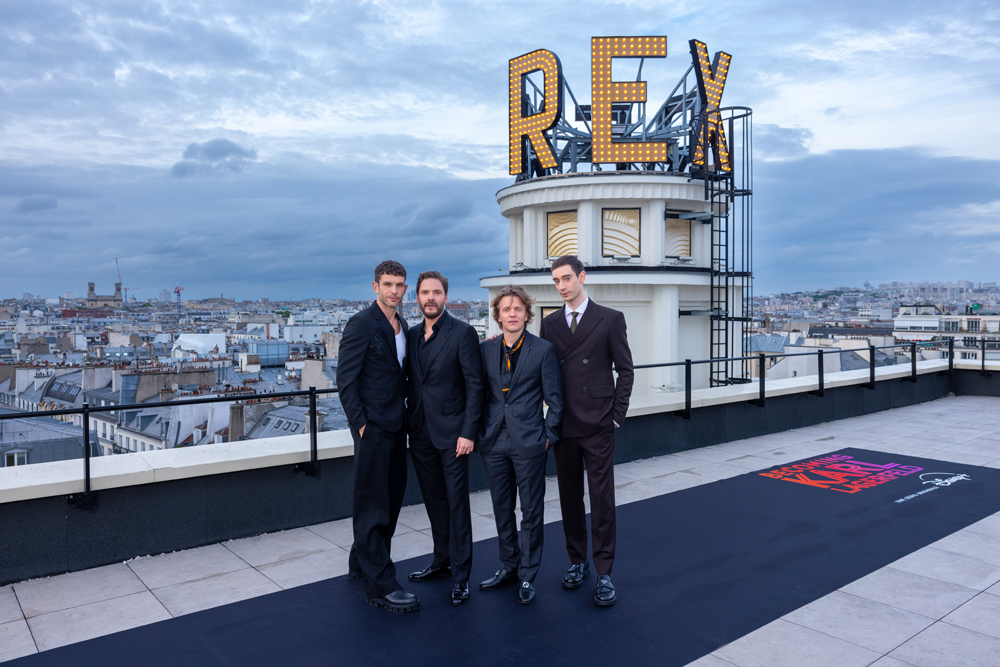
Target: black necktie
572	325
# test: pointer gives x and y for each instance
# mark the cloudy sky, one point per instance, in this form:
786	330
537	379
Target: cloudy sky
268	148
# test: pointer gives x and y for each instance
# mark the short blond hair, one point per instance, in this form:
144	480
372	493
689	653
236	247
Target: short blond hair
512	291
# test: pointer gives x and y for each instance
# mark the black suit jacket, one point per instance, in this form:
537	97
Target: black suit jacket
370	380
593	399
536	378
448	394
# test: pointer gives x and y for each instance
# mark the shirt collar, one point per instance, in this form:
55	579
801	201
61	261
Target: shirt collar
579	311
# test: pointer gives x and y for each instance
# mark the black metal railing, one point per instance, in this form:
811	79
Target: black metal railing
762	358
88	499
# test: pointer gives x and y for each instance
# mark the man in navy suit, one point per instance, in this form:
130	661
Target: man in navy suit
371	378
522	371
444	405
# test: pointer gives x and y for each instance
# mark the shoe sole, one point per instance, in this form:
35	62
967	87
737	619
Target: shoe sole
573	586
531	601
353	576
458	603
398	609
605	603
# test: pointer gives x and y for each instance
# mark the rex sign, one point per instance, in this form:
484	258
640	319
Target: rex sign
606	94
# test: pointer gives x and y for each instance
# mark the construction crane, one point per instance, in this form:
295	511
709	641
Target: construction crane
177	292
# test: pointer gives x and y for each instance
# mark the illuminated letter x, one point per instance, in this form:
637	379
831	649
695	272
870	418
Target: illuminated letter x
711	83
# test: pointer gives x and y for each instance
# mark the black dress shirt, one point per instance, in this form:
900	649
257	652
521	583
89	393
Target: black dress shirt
425	346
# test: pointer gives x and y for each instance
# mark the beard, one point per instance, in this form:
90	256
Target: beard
430	309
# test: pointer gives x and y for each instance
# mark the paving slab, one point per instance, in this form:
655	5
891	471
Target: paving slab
15	640
861	621
414	517
971	543
951	567
785	644
187	565
926	596
307	569
214	591
944	645
96	619
410	545
10	608
980	614
274	547
709	661
43	596
340	532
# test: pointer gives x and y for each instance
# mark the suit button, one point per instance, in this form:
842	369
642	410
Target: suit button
562	361
585	390
584	361
505	405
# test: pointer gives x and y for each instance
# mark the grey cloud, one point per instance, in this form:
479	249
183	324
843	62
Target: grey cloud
33	203
773	142
217	156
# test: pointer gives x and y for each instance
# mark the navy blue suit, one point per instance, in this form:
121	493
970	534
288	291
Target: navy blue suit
513	446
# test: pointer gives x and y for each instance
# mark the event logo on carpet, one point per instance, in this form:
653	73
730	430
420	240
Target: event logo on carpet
839	472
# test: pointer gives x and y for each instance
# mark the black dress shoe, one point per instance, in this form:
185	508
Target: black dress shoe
430	572
575	575
398	601
526	593
354	575
460	593
605	595
501	578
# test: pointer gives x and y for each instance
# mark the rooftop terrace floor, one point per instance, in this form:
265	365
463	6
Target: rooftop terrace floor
938	606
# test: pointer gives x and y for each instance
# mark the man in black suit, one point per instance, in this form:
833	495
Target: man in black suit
444	404
588	338
522	371
371	378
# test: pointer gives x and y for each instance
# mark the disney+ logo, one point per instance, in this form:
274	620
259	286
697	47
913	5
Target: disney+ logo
943	478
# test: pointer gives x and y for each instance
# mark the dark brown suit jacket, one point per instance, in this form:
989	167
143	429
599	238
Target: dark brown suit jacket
593	400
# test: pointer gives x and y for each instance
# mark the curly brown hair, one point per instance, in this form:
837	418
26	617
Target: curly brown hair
512	291
389	267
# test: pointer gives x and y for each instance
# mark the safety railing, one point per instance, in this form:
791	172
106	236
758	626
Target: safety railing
762	358
88	499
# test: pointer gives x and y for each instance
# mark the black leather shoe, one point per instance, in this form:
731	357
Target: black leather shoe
460	593
430	572
526	593
575	575
605	595
353	575
398	601
501	578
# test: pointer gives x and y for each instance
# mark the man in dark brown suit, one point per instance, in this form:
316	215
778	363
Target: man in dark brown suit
588	338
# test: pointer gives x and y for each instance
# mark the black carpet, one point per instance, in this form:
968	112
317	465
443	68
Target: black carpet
696	569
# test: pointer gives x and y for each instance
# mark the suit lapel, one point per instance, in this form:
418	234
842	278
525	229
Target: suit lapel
411	350
443	333
591	318
493	362
387	330
522	359
560	327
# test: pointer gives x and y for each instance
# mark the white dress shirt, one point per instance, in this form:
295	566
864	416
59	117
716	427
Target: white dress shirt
579	312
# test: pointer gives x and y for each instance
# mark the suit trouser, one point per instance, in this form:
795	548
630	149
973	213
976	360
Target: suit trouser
444	484
598	453
510	472
379	485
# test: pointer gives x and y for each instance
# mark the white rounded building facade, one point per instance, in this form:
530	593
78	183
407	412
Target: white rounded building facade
646	242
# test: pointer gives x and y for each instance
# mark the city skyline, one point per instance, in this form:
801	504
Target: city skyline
269	151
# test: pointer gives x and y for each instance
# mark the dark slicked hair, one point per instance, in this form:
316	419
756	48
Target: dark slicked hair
389	267
512	291
572	261
434	275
